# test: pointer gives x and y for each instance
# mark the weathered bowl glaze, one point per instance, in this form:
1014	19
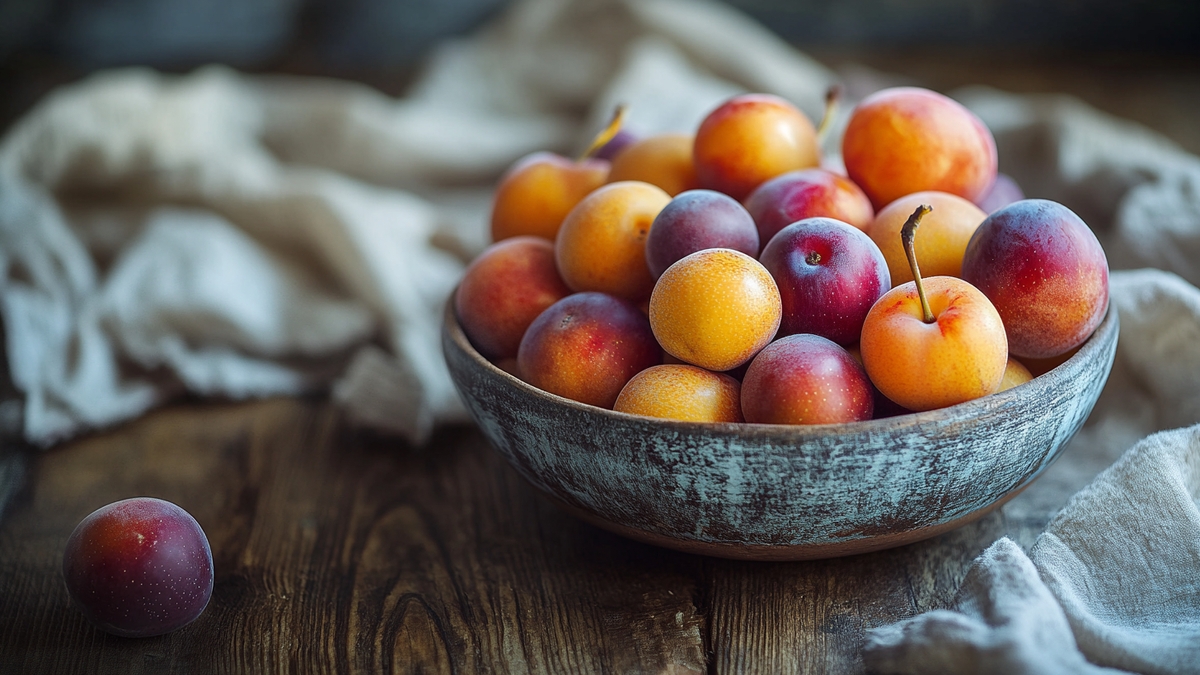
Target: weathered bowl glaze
766	492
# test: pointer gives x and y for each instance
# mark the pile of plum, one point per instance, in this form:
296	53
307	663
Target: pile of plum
728	275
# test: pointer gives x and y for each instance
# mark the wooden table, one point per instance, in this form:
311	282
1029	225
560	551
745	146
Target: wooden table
340	551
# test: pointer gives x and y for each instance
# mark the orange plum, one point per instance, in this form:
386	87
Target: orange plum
715	308
682	392
907	139
602	243
1015	373
538	191
945	232
664	160
750	139
959	356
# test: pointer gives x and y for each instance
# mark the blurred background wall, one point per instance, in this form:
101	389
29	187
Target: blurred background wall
46	42
374	33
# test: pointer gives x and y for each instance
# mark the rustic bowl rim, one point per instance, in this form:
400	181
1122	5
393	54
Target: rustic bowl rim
1085	354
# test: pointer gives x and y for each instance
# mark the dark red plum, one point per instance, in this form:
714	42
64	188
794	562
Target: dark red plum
806	379
139	567
696	220
809	193
1046	273
829	273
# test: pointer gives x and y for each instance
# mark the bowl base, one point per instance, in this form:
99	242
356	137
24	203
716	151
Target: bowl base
784	552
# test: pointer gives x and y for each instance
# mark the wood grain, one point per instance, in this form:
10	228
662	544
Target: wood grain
811	617
340	552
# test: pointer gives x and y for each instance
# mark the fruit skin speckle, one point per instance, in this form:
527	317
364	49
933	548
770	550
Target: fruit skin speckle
1046	273
806	379
715	309
139	567
586	346
682	392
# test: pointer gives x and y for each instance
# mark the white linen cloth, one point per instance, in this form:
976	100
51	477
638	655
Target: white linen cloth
245	236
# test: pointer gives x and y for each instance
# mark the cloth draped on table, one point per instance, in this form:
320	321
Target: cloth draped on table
244	236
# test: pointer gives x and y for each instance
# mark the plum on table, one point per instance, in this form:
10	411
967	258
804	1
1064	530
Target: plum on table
139	567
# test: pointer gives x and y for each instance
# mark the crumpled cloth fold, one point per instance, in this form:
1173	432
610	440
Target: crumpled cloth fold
1111	583
248	236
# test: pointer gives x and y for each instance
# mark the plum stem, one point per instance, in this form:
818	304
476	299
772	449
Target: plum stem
606	134
813	258
832	96
907	233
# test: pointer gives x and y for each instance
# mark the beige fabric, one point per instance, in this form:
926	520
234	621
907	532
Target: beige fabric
244	236
1114	576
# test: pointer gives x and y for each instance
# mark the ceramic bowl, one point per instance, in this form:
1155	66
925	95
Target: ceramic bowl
771	492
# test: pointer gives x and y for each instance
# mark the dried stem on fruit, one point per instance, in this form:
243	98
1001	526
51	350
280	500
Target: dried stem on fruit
606	134
832	96
907	233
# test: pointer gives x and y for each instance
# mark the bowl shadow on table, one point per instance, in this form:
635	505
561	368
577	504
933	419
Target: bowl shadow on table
512	550
770	615
464	536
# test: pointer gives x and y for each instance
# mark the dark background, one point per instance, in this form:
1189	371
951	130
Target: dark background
47	42
356	34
